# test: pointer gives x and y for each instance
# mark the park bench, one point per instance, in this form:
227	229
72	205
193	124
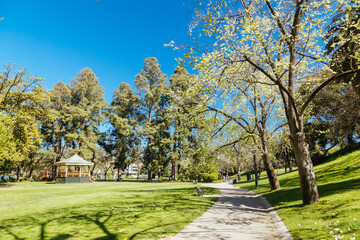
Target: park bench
200	191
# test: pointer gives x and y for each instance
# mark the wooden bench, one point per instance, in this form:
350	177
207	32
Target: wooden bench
200	191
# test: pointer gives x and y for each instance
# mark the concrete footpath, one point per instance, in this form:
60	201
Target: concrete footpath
238	214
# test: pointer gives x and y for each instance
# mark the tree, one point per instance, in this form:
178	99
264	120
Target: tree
187	116
235	99
151	85
335	115
87	106
344	44
23	103
284	150
123	116
57	127
281	41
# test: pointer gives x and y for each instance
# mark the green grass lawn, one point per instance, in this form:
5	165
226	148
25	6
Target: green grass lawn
336	216
106	210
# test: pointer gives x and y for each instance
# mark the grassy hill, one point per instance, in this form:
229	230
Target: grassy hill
336	216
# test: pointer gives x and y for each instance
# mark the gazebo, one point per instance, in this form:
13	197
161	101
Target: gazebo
73	170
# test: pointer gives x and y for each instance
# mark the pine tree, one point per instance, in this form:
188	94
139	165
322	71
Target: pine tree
151	86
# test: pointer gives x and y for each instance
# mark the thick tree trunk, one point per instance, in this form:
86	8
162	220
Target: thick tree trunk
106	171
273	181
119	175
305	167
179	169
149	175
31	168
308	186
173	171
18	171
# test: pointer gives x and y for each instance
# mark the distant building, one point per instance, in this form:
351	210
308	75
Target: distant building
132	169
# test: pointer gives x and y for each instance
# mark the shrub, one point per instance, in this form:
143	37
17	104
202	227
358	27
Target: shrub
210	177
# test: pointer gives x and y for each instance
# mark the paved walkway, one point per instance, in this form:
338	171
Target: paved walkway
238	214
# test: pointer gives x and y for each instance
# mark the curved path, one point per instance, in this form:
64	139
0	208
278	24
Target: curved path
238	214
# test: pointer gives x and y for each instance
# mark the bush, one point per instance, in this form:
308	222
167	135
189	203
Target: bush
210	177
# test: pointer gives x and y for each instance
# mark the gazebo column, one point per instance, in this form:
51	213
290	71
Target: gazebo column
80	172
89	171
57	171
66	171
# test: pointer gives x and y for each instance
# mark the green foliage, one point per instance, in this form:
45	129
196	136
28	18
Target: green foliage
23	103
343	42
188	117
124	116
152	87
210	177
200	167
87	106
76	111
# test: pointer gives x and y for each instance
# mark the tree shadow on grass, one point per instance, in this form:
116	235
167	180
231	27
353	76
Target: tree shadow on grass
149	230
101	224
15	236
276	198
102	220
61	237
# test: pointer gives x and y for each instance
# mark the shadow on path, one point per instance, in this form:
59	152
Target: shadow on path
238	214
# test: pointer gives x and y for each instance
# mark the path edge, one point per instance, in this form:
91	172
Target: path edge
282	230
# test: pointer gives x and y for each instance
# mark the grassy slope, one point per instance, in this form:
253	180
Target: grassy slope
337	214
98	211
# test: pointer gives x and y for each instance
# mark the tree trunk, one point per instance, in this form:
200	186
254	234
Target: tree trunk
31	169
259	172
57	158
239	170
149	175
306	171
106	171
179	169
288	163
159	175
356	84
173	171
18	170
255	165
273	181
119	175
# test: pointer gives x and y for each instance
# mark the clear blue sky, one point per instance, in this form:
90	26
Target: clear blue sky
55	39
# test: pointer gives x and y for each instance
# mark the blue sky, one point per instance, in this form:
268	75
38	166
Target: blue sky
55	39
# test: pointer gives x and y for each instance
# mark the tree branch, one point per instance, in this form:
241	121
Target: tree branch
324	84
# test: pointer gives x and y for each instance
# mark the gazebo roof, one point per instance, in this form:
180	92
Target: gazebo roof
75	160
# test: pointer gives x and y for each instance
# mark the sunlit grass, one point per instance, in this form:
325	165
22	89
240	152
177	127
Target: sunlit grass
337	215
107	210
